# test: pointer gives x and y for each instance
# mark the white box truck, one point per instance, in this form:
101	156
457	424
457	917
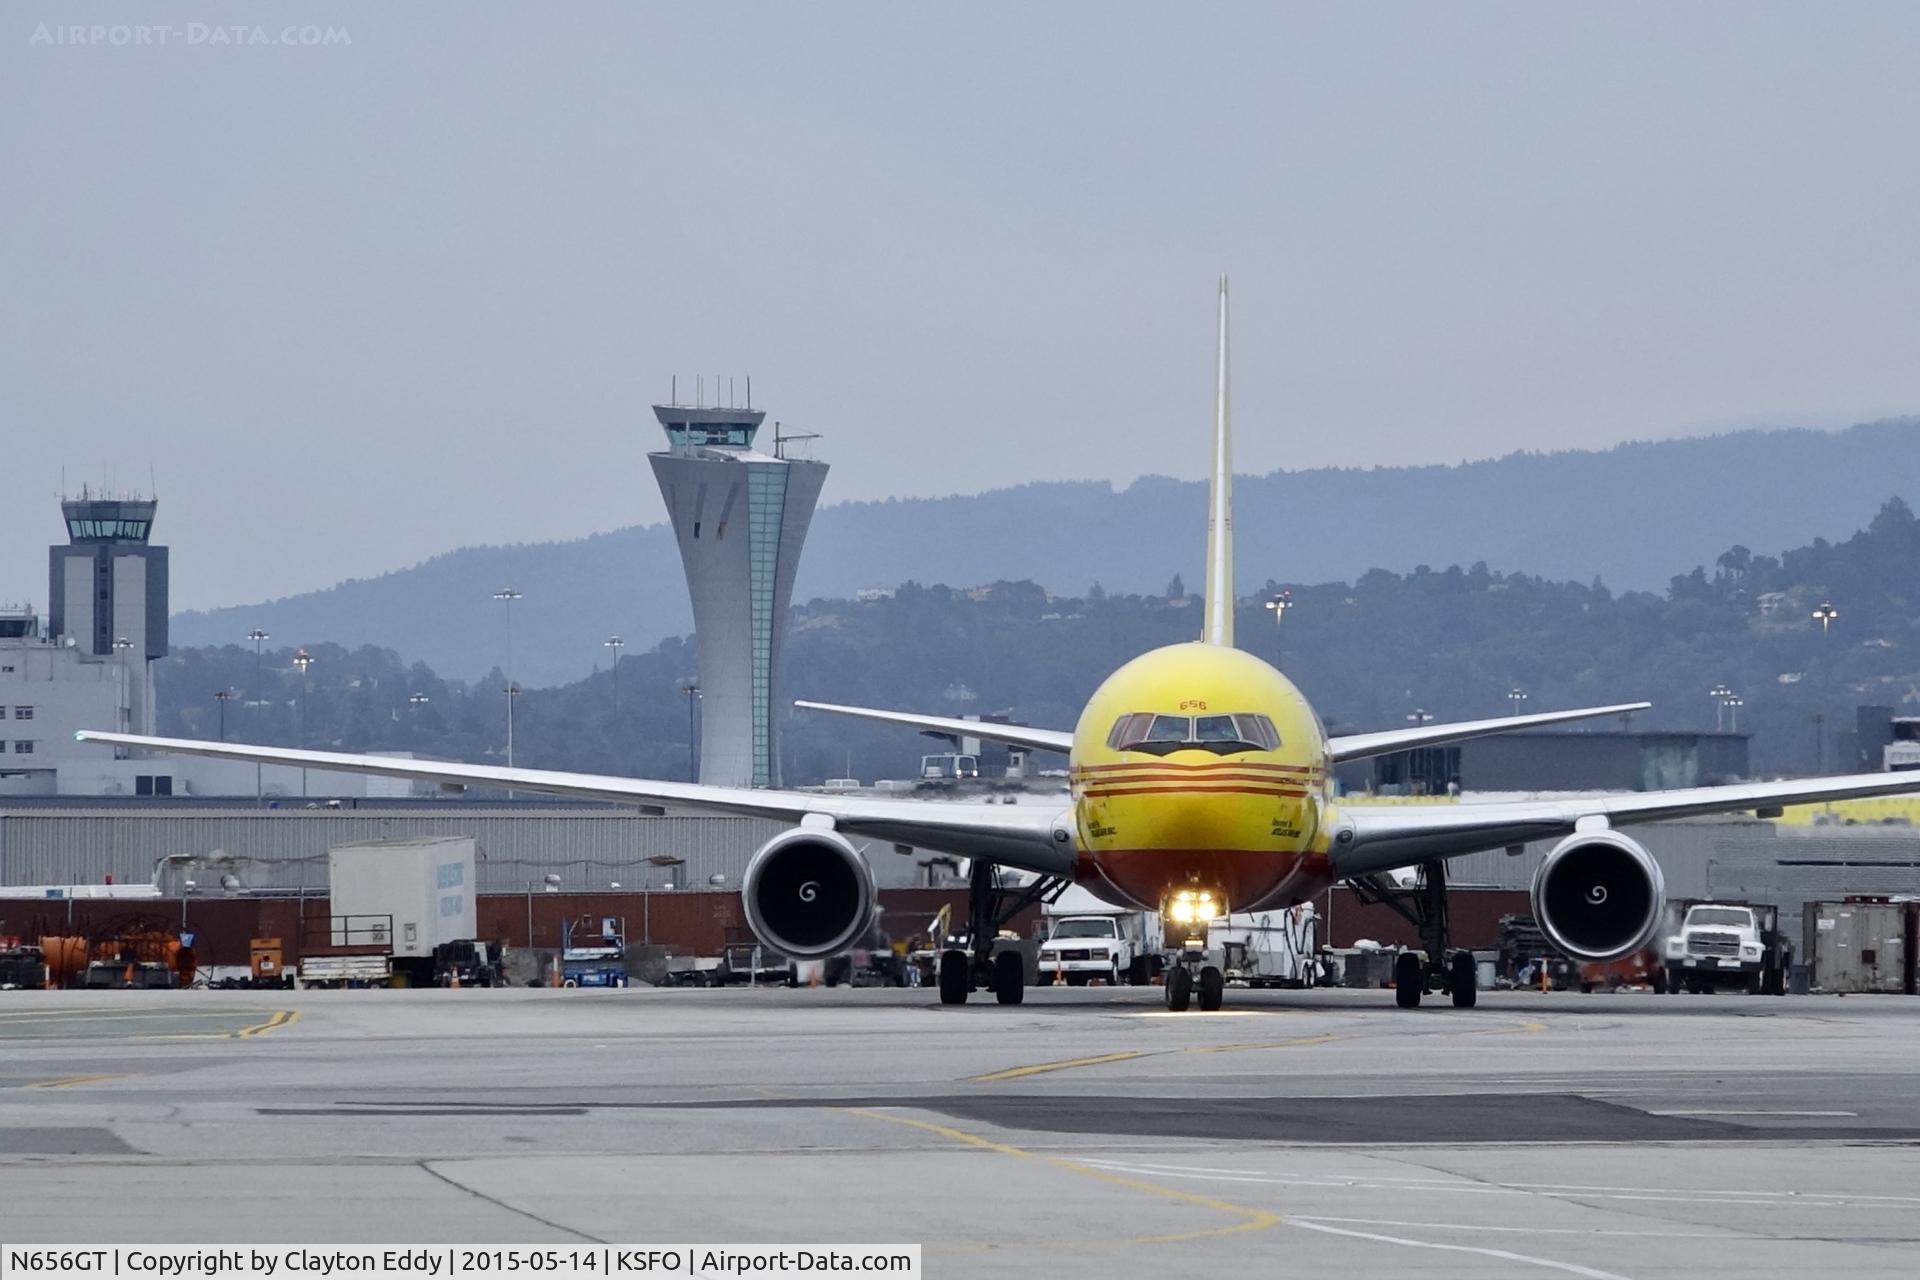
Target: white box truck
406	896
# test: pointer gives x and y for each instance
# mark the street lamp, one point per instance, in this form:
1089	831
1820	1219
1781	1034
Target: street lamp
509	595
418	700
1516	696
1825	615
1419	715
1280	604
615	643
259	699
692	690
1734	704
1719	693
303	660
120	646
223	695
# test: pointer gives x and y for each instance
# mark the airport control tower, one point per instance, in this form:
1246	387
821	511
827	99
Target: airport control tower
740	517
108	589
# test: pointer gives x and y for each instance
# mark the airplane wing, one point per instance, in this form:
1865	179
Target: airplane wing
1012	734
1358	746
1031	837
1368	839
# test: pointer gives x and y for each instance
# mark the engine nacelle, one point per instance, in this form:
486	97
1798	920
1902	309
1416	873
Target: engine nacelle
1599	896
808	893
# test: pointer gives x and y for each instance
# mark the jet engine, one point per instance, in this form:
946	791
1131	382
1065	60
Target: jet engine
1599	896
808	893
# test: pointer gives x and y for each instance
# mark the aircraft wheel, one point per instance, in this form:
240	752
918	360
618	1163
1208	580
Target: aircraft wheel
1409	979
1179	988
1009	978
955	980
1463	980
1213	990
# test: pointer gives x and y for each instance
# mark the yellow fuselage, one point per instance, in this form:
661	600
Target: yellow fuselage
1234	814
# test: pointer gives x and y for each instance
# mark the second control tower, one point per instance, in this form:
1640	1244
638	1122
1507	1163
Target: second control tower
740	517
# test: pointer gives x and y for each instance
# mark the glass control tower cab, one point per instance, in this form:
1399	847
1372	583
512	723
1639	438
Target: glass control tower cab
740	516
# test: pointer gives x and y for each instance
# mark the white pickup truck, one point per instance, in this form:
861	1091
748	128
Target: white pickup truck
1082	948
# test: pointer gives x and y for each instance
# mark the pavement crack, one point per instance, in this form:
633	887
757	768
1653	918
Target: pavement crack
428	1169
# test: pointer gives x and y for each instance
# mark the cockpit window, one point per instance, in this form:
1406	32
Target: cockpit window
1215	729
1222	734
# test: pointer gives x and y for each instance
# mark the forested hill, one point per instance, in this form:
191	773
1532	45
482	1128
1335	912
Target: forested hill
1368	652
1626	515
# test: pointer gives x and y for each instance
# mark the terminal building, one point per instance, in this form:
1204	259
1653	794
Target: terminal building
740	516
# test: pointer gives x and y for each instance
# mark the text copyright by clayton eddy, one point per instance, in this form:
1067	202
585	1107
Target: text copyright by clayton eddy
454	1262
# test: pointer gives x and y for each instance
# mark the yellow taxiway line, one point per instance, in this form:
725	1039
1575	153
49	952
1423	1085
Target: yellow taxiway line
280	1018
68	1082
1067	1064
1251	1219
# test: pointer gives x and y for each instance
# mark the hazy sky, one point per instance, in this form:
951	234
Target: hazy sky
366	301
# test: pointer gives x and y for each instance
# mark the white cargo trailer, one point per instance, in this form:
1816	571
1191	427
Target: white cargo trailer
419	890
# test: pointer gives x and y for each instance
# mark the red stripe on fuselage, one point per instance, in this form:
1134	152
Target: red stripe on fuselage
1254	765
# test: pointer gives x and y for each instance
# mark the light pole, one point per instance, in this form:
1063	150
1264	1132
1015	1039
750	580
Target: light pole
222	695
1280	604
692	690
259	699
1419	715
120	646
1825	616
1734	703
615	643
1719	693
1516	696
302	659
509	595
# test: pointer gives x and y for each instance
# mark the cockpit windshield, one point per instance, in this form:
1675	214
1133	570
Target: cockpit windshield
1224	735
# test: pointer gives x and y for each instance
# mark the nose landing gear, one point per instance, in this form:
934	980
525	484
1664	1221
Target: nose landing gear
1188	978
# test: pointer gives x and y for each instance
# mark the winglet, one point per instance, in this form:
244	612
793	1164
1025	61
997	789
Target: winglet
1219	602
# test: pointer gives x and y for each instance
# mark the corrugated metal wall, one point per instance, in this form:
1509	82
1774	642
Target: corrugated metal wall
589	849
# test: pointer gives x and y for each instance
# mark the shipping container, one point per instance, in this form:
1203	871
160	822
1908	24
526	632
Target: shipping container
1859	945
422	888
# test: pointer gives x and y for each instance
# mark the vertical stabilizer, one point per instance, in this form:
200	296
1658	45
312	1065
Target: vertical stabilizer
1219	618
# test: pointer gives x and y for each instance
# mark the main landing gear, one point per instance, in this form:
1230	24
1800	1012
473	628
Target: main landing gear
1435	968
990	905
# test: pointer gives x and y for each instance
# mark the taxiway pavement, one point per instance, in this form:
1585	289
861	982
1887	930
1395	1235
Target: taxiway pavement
1300	1133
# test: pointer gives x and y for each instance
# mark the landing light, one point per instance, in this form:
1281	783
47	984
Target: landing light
1190	906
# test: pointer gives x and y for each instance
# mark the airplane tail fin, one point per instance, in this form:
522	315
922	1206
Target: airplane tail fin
1218	627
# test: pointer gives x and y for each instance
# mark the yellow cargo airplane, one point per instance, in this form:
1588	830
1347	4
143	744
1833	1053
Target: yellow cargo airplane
1201	785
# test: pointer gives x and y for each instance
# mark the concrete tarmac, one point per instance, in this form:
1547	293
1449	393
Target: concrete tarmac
1087	1131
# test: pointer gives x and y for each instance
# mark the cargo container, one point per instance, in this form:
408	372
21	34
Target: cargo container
1860	945
423	886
